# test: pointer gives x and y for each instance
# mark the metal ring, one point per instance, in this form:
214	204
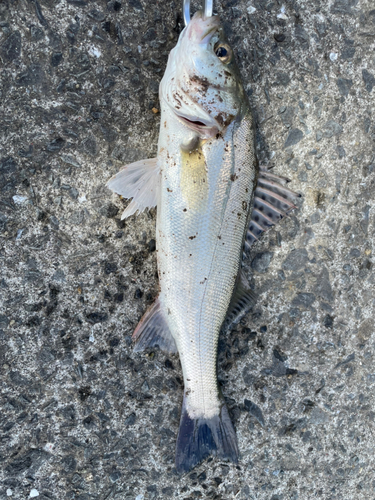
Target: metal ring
186	11
208	9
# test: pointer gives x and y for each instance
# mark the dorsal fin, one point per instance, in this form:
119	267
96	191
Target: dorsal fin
243	300
140	181
272	201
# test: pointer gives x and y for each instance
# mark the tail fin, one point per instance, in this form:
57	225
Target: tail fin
199	438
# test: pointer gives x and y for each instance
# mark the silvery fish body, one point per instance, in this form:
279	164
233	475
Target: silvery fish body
207	186
202	219
203	181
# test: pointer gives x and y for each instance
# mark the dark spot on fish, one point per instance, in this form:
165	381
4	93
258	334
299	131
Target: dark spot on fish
192	237
219	237
202	81
178	101
185	210
169	190
221	120
244	205
233	177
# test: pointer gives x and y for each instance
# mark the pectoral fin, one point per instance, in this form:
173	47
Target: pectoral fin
272	201
140	181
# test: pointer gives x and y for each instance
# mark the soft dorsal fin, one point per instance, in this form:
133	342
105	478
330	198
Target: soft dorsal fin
140	181
243	300
272	201
153	331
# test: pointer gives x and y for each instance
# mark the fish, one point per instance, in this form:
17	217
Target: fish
213	202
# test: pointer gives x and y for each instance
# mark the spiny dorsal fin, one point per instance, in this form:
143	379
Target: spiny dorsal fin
272	201
242	301
140	181
153	331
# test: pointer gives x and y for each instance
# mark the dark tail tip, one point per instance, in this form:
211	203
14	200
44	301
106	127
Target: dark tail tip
200	438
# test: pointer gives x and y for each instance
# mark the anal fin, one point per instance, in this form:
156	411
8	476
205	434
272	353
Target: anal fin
153	331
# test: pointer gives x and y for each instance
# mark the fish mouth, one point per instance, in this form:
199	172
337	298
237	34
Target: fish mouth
209	33
201	29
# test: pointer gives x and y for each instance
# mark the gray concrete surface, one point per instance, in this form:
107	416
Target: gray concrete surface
82	417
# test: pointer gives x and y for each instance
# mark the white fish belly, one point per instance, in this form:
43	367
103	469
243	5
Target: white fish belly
200	232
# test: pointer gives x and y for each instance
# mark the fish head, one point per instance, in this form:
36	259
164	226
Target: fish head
202	84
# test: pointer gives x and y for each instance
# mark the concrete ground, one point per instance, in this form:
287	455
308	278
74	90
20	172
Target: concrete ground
82	416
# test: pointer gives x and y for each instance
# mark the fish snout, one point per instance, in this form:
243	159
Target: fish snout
201	29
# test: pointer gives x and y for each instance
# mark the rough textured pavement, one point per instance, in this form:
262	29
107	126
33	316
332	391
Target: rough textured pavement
83	417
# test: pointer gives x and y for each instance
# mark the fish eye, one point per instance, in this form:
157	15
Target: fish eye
223	52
